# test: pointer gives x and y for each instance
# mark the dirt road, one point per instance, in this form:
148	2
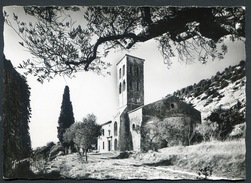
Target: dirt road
102	166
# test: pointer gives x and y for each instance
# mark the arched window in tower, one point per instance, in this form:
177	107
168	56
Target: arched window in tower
120	88
119	73
137	71
133	126
115	128
130	69
123	70
138	85
124	85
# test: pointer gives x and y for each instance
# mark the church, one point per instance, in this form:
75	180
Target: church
125	131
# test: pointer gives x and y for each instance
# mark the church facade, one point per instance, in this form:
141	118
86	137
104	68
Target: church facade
126	130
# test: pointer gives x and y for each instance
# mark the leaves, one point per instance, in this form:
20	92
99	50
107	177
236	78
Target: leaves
83	133
66	118
71	45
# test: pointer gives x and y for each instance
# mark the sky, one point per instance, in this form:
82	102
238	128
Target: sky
92	93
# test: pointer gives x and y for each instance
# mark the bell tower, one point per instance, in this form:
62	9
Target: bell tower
130	77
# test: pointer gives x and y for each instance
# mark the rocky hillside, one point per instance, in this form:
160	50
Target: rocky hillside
226	89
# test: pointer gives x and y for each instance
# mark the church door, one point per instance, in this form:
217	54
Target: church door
115	145
109	145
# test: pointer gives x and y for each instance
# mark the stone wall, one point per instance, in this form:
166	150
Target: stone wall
135	82
169	107
125	138
164	116
135	118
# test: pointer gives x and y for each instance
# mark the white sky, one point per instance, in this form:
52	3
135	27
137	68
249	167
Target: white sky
92	93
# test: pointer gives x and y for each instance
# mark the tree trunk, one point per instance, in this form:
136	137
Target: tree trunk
86	154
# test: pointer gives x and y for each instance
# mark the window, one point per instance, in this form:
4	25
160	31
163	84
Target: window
120	88
103	145
115	144
133	126
137	71
115	128
119	73
130	69
172	105
123	70
138	85
124	85
109	133
103	132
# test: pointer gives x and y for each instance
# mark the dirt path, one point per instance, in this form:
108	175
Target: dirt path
101	166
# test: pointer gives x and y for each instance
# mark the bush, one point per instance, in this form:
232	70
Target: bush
207	131
224	84
216	94
238	132
21	169
226	119
165	133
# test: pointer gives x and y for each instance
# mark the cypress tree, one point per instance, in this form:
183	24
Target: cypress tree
66	118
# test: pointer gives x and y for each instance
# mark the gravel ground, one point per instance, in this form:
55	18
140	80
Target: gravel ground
102	166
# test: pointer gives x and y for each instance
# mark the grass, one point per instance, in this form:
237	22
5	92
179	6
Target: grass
227	158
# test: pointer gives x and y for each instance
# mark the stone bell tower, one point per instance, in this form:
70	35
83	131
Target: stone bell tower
130	82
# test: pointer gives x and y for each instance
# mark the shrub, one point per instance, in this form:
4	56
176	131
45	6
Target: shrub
165	133
205	172
224	84
216	94
227	119
207	131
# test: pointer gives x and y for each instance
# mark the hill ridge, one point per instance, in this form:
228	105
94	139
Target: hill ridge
225	89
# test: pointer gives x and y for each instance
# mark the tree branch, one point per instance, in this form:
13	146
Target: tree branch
100	41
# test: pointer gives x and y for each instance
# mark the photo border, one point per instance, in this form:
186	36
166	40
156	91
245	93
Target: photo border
245	3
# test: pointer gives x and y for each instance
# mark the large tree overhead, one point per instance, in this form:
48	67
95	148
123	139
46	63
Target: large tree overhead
66	118
64	44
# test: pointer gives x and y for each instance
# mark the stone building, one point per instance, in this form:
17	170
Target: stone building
124	131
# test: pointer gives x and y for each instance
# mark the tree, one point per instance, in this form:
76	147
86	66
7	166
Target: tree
16	118
84	134
64	46
167	132
226	119
66	118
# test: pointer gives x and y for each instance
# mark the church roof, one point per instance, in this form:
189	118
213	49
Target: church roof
126	55
106	123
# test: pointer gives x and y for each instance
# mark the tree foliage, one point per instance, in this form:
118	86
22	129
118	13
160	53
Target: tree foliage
16	118
226	119
83	134
66	118
64	45
165	133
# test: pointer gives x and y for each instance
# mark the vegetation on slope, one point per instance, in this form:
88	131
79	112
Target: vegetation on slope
211	87
222	102
225	159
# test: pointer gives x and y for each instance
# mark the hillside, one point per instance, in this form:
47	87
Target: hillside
224	90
